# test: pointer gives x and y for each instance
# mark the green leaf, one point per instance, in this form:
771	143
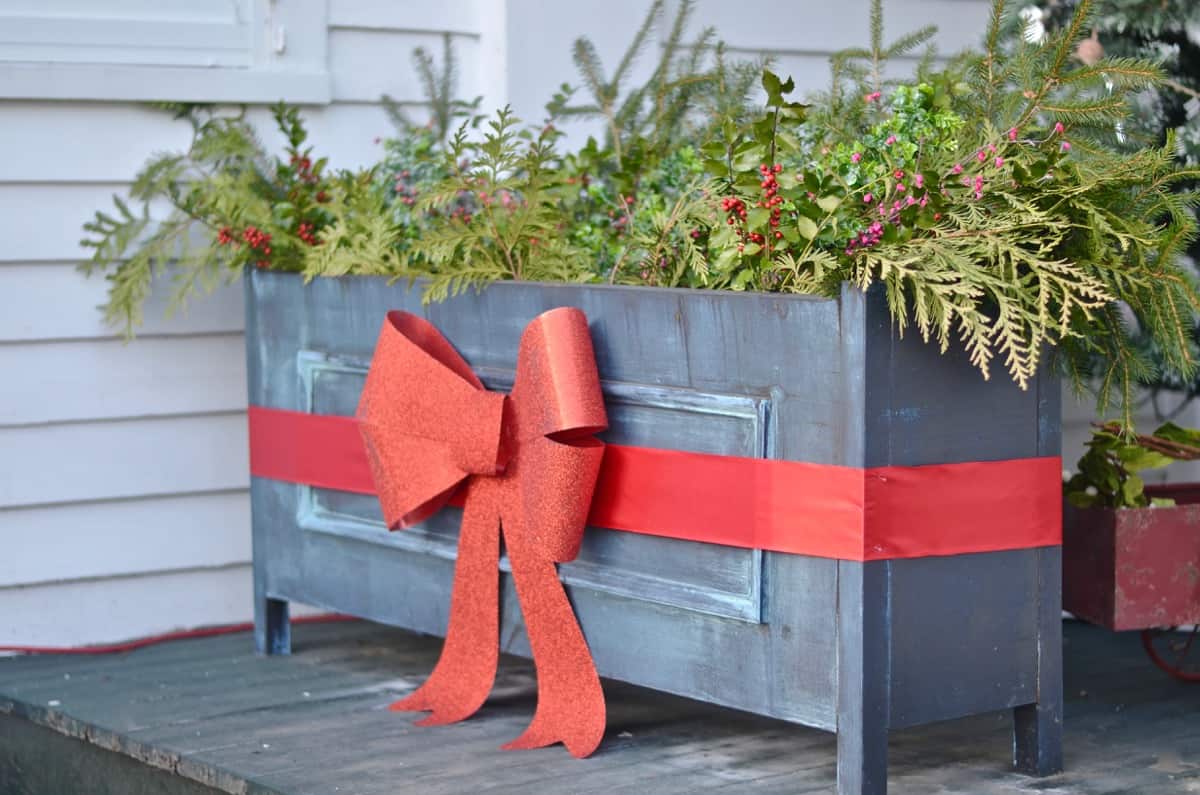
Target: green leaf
771	83
758	217
1174	433
1131	492
1136	459
1081	499
744	279
748	156
806	226
776	88
829	203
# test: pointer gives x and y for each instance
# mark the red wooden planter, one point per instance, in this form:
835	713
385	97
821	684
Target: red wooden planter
1135	568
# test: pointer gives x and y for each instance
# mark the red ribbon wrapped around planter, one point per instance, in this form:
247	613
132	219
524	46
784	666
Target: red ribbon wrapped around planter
529	463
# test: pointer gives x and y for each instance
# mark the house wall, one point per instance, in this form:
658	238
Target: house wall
123	468
123	476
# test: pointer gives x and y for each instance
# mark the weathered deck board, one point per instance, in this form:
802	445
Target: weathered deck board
316	722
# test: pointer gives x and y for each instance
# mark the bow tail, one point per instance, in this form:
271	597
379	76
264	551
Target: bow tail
466	670
570	707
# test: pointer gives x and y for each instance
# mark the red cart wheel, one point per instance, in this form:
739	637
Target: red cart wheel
1177	653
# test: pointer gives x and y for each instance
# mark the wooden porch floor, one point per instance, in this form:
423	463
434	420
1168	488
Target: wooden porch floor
209	714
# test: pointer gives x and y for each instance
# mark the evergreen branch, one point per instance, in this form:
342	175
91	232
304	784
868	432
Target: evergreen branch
638	43
911	41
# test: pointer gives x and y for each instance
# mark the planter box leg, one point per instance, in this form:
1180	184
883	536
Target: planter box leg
1037	728
272	628
1037	740
864	677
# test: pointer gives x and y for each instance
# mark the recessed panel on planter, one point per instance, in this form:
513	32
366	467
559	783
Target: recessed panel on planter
707	578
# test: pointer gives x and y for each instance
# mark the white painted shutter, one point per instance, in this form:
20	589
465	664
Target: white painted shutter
189	50
147	32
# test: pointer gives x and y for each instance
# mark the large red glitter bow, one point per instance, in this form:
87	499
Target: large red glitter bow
526	462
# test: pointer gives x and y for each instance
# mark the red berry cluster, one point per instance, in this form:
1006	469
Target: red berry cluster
771	198
734	208
260	241
252	236
306	233
405	191
303	168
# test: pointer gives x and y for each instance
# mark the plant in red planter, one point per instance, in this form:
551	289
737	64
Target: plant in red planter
1131	554
798	511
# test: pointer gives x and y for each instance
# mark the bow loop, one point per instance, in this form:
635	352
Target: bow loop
557	386
426	419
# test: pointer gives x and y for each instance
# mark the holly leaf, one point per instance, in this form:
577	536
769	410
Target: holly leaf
829	203
806	226
758	217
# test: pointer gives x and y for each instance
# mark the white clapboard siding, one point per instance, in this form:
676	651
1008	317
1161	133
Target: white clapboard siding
97	147
540	40
108	609
27	290
100	145
822	28
365	64
347	133
110	379
801	49
43	221
75	462
454	16
87	612
123	537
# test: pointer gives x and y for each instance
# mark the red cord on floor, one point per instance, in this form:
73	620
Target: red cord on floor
187	634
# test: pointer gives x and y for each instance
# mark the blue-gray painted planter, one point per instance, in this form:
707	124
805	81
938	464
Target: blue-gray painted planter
855	648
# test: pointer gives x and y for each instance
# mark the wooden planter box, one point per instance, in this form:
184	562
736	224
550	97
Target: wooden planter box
1134	568
851	647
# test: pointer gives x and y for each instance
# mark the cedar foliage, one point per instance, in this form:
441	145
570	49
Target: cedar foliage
231	206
